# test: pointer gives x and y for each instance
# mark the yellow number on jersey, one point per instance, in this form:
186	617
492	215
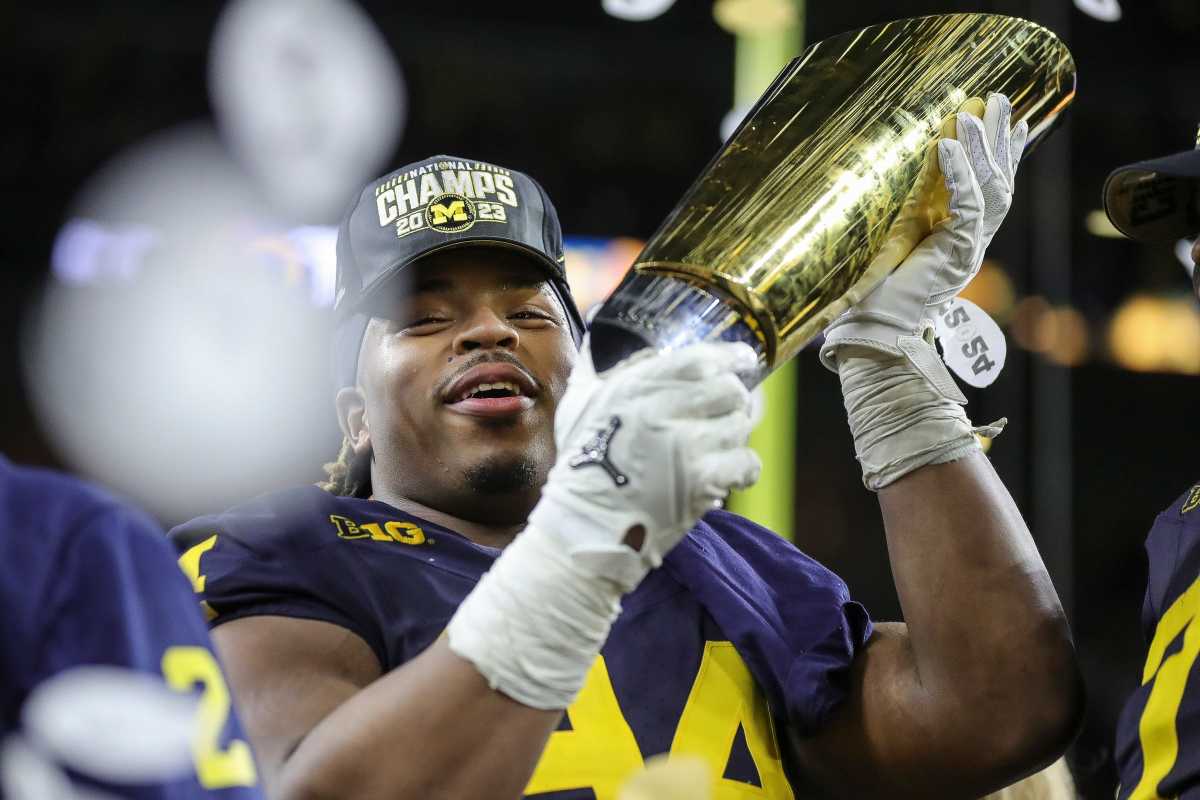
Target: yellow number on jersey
189	562
598	752
1156	729
723	697
184	667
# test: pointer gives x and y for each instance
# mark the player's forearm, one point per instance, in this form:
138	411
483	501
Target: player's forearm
989	639
430	729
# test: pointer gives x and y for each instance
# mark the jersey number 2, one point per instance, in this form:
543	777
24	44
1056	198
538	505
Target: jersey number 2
184	667
187	667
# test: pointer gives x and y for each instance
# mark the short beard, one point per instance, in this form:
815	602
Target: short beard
502	475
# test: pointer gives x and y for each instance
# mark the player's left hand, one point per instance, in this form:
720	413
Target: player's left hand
904	409
979	168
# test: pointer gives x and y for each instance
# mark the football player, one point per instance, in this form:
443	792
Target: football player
84	580
508	536
1158	733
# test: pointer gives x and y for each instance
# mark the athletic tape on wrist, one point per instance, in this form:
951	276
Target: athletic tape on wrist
535	623
900	419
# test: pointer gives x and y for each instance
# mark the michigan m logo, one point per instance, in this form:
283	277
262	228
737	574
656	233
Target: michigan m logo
450	213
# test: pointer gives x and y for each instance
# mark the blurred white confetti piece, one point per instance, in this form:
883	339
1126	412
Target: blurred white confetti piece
670	778
26	774
1183	251
112	724
636	10
310	98
1103	10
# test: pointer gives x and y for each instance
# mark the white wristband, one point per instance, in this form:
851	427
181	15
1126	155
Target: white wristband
535	623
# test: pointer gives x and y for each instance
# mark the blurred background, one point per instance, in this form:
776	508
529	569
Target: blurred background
170	174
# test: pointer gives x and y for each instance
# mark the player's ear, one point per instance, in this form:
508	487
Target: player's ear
352	417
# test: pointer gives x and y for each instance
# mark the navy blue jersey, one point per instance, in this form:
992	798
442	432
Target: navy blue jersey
736	628
1158	736
85	580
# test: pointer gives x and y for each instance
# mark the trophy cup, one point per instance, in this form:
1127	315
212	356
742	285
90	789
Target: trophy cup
781	231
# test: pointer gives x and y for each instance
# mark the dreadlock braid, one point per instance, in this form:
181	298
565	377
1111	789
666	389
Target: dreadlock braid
350	474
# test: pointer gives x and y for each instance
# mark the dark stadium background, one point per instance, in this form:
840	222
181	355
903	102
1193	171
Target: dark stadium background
616	118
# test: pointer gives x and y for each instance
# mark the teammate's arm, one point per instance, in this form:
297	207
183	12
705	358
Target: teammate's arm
469	717
982	687
120	600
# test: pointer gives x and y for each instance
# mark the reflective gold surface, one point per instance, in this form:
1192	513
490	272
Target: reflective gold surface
791	212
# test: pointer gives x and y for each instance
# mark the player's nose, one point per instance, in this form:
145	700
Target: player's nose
486	329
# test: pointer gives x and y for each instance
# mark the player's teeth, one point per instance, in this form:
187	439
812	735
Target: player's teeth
483	387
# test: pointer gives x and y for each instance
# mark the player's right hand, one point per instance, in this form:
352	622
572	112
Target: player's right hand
644	449
648	447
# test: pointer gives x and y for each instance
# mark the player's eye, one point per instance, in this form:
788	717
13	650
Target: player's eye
532	315
425	323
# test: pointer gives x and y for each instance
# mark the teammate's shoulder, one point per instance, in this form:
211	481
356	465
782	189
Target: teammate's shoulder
1177	527
296	516
1187	506
49	504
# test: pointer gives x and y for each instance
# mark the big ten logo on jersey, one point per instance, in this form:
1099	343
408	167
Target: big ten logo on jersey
445	196
599	751
394	530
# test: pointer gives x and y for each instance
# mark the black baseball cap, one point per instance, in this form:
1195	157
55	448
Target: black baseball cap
1156	200
432	205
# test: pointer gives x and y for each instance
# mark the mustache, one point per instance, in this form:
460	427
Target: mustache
488	358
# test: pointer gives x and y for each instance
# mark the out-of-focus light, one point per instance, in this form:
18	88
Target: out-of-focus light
596	265
1183	251
1026	323
1060	334
750	17
992	290
1103	10
1098	224
303	256
1157	334
636	10
87	252
1067	337
310	98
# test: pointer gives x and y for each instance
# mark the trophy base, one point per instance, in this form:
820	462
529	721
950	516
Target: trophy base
666	312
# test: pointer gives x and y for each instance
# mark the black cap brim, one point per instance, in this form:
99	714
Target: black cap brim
1156	200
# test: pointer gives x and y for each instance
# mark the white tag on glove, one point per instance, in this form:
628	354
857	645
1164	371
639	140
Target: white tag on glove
973	346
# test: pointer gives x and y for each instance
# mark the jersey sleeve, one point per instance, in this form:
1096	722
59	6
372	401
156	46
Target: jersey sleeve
119	599
239	573
791	619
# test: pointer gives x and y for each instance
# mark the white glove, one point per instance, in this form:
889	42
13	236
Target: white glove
979	172
904	408
652	443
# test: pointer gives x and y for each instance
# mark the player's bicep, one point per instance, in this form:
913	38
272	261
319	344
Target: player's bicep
875	739
287	675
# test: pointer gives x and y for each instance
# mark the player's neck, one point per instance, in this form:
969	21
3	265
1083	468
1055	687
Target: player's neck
487	535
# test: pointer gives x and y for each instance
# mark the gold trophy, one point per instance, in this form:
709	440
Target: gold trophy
784	229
